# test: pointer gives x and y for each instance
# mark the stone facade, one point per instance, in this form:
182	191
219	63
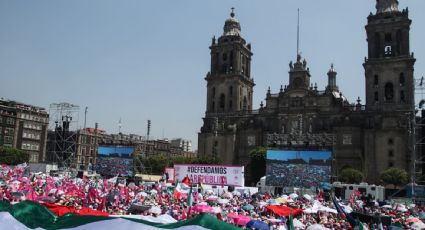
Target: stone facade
24	127
370	137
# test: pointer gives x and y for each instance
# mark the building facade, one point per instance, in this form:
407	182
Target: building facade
24	127
370	137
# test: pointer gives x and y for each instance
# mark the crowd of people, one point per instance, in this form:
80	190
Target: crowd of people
116	196
297	175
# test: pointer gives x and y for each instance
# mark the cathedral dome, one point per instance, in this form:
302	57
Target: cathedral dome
232	26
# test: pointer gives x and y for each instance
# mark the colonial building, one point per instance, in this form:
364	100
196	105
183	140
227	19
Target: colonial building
24	127
370	137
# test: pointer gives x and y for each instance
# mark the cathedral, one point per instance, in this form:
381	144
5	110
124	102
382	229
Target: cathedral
370	137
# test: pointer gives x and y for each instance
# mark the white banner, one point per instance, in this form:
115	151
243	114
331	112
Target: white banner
211	174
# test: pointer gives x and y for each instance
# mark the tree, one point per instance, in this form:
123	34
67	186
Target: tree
394	176
351	176
258	163
12	156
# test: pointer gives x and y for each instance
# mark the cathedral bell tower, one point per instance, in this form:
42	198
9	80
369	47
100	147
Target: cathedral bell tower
229	82
389	66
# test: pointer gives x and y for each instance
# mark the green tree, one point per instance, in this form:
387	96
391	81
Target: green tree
394	176
12	156
351	176
258	163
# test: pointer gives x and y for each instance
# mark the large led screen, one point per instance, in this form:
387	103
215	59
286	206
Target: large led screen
114	160
303	169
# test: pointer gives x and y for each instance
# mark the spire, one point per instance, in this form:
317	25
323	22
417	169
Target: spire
384	6
232	26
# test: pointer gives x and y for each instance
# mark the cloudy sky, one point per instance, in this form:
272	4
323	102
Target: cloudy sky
136	60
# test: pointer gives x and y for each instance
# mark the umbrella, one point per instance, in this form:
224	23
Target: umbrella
247	207
274	220
232	215
412	220
153	191
155	210
203	208
273	202
223	201
241	220
298	224
308	197
293	195
212	197
143	194
281	200
217	210
316	227
257	225
418	225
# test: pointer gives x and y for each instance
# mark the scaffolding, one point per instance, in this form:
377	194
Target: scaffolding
418	176
63	124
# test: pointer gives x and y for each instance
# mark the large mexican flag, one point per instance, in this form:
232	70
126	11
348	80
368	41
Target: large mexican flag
31	215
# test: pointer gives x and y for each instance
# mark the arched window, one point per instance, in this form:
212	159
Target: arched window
245	103
375	80
376	96
213	92
224	56
389	91
402	96
231	90
230	105
224	68
213	106
222	101
402	80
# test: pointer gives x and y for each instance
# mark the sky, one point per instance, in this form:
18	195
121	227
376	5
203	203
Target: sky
134	60
306	155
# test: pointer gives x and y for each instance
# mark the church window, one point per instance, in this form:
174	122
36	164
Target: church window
388	38
213	92
222	101
390	164
402	79
402	96
231	90
377	43
213	106
376	96
390	141
399	40
389	91
224	68
390	153
217	56
224	56
375	80
230	104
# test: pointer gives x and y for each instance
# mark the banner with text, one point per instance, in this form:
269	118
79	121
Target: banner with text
211	174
